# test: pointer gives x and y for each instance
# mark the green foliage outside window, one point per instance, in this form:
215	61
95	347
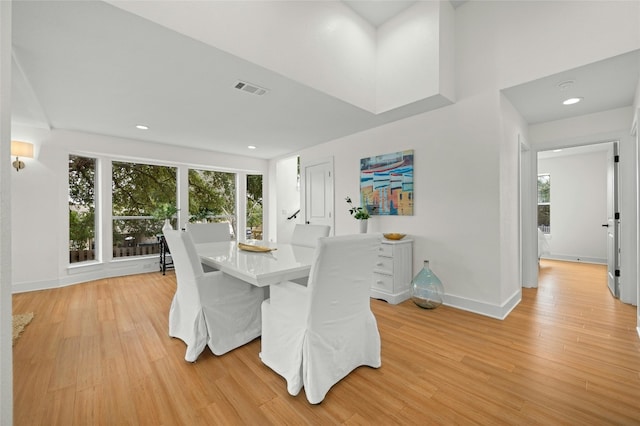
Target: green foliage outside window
254	205
212	197
82	176
142	191
139	190
544	203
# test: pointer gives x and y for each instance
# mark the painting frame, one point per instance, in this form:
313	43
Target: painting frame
386	184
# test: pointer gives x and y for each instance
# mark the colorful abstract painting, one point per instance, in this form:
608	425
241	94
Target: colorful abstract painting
386	184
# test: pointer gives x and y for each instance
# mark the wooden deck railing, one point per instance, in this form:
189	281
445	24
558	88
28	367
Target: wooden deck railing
76	256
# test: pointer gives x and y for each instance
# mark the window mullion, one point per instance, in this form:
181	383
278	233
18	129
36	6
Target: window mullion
105	223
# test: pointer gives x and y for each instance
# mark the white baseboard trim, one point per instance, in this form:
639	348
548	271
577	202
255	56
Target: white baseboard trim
571	258
393	299
34	286
482	308
81	273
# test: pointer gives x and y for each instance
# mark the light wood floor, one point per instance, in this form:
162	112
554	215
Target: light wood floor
99	354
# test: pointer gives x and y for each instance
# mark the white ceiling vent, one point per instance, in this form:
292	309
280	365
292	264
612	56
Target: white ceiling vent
251	88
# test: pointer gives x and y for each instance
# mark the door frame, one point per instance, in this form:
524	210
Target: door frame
529	244
613	220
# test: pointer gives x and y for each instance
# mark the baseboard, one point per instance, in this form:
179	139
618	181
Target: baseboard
393	299
570	258
34	286
91	271
482	308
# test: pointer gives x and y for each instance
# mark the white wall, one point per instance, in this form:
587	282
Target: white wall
455	224
288	198
419	38
636	143
512	232
466	155
39	205
6	360
578	206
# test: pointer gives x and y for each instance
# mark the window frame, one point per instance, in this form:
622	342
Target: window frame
104	209
97	252
148	247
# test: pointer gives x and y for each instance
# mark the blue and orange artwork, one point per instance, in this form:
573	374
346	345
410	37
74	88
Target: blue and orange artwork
386	184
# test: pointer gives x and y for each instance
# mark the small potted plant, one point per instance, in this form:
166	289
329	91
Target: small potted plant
166	212
200	216
359	213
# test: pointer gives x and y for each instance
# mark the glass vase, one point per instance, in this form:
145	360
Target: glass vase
427	290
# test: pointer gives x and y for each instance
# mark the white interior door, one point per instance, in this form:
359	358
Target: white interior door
318	192
613	221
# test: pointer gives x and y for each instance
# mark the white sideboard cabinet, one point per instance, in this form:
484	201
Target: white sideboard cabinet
392	274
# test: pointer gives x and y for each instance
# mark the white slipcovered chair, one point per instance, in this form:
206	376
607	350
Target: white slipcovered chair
307	235
209	309
209	232
316	335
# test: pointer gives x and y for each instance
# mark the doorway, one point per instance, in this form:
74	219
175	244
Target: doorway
582	204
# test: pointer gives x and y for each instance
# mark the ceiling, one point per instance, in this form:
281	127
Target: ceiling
602	85
92	67
378	12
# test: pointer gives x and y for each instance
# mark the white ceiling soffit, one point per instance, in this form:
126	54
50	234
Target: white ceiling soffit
602	85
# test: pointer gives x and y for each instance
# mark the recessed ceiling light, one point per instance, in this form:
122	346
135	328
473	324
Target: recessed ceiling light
142	127
557	150
571	101
251	147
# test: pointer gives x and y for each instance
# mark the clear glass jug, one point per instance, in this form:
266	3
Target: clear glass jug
427	290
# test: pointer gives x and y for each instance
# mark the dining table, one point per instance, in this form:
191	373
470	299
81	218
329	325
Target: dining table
260	263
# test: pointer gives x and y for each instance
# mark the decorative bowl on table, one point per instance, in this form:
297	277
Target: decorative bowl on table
254	248
394	236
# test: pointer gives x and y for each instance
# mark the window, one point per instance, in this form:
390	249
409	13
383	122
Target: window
212	197
82	206
254	206
137	191
544	203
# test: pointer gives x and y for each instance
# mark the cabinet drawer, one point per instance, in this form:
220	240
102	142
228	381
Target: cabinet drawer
385	250
384	264
383	282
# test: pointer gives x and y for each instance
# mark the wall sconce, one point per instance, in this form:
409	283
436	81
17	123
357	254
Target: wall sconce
21	149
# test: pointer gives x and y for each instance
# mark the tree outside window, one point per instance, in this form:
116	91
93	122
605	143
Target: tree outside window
137	192
212	197
254	206
82	181
544	203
